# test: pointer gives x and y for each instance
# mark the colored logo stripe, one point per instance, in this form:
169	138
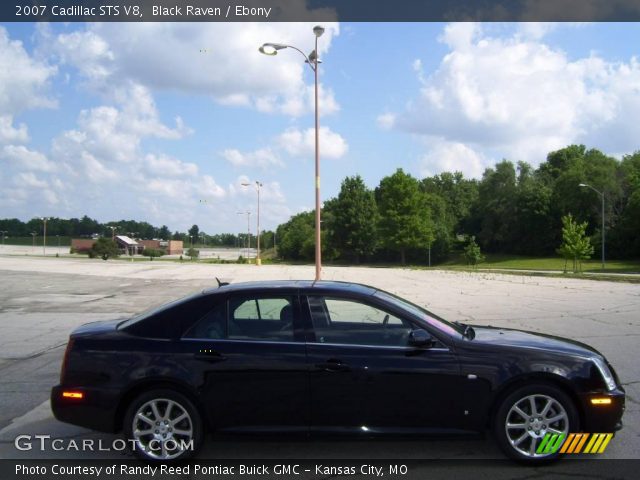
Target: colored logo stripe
598	442
574	443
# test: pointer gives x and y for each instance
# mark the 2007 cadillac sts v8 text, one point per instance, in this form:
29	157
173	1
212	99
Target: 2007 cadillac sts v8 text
301	356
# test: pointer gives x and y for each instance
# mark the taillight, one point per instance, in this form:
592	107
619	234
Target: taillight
65	360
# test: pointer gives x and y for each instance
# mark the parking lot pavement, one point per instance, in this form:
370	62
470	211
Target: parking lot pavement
42	299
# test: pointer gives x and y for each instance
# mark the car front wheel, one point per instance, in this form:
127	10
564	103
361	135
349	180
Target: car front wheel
527	415
163	425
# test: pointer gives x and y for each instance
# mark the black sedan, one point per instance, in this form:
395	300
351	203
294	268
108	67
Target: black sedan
300	356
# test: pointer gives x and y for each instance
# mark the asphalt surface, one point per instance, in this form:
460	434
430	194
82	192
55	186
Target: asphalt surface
42	300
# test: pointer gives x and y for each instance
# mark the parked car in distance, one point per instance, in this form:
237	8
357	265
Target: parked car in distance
302	356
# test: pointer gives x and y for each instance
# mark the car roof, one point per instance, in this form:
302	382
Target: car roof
310	285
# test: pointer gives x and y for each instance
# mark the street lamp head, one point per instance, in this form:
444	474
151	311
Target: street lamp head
318	30
271	49
245	184
583	185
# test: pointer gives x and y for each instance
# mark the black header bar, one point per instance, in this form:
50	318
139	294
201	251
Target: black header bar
319	10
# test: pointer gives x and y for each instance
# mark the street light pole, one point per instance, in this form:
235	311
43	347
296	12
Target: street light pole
33	236
248	214
602	197
258	185
4	234
44	236
313	61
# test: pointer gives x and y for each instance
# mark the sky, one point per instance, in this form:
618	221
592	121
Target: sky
163	122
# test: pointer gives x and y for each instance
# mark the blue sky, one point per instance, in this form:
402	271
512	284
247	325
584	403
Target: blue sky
144	121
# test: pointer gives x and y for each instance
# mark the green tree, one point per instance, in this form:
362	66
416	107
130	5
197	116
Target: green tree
472	253
164	233
405	219
296	239
576	246
104	248
495	210
194	231
352	223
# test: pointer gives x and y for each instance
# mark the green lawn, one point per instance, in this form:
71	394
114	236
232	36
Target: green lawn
549	263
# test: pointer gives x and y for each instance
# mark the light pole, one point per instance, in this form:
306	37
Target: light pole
313	61
4	234
248	214
44	236
602	197
113	232
33	235
258	185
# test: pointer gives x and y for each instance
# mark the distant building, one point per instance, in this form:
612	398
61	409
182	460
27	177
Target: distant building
81	245
130	246
170	247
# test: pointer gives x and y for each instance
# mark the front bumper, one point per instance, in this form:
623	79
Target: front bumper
603	418
96	410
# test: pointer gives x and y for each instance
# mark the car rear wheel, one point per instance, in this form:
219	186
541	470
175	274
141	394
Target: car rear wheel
163	425
527	415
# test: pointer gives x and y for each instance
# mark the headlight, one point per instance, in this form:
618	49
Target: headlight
607	376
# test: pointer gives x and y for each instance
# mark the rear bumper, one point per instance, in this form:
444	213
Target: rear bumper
603	418
95	410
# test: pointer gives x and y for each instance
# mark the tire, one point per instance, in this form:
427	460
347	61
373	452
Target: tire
163	425
519	433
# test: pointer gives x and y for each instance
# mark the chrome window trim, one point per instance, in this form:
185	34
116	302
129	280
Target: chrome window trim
392	347
236	340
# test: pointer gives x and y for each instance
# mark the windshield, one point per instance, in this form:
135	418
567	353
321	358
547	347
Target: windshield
433	320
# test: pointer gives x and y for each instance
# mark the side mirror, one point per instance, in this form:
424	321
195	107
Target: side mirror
421	338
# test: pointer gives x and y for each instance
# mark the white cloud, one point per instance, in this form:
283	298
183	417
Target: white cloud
28	179
216	59
108	135
23	80
519	98
445	156
262	158
11	134
386	121
168	166
301	143
26	159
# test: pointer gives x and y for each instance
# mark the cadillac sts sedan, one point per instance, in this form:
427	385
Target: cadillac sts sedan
329	357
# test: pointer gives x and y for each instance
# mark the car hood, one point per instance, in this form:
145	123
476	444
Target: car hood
519	338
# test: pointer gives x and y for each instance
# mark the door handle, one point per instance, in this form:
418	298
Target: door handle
333	365
209	356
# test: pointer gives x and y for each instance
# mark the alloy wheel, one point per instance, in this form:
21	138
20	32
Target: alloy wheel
530	419
162	428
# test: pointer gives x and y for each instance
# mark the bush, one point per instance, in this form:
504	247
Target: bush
104	248
472	253
193	253
152	252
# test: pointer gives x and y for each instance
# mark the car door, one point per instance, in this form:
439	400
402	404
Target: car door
365	376
249	353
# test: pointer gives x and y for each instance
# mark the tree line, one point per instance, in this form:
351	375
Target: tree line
87	227
512	209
